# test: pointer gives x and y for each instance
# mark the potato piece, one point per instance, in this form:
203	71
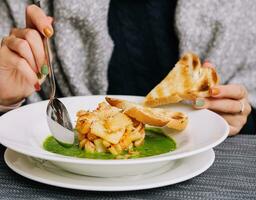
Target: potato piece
106	143
82	143
78	126
89	147
130	147
118	148
80	136
81	113
139	142
83	126
115	137
98	129
105	111
113	150
135	135
99	145
117	122
125	142
91	136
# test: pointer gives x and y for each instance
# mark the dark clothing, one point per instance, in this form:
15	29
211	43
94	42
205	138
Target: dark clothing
146	47
250	126
145	44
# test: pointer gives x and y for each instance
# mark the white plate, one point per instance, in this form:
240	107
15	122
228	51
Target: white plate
25	129
47	173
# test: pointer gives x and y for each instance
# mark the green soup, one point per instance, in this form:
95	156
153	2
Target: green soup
155	143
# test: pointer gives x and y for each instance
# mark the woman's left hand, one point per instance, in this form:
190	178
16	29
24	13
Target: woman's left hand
231	102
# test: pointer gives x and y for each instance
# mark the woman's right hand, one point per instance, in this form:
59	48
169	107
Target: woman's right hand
22	57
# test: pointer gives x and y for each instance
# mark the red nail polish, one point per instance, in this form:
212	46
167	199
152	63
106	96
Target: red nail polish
207	63
37	87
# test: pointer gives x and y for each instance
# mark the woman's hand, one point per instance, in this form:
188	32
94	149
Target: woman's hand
22	57
231	102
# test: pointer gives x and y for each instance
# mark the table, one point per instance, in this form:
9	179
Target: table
232	176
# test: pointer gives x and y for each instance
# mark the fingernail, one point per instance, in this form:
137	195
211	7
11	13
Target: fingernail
37	87
207	63
44	69
48	32
39	75
199	102
214	91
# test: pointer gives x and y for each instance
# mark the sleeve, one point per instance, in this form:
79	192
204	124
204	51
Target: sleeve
247	77
6	21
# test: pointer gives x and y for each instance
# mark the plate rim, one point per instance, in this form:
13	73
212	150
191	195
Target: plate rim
206	166
151	159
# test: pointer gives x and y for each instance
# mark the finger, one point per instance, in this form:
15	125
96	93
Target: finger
35	42
22	48
14	61
231	91
2	41
235	120
36	18
233	131
208	64
219	105
50	19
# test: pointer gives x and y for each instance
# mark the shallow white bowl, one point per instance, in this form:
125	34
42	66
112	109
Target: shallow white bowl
25	129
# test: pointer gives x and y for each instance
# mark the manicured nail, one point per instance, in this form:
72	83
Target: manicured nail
214	91
199	102
44	69
39	75
37	87
207	63
48	32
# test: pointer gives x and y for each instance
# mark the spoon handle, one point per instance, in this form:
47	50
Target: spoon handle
51	74
49	60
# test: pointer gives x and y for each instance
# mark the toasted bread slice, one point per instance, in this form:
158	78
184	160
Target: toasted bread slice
151	116
186	81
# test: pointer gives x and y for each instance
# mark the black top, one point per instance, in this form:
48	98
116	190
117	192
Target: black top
146	47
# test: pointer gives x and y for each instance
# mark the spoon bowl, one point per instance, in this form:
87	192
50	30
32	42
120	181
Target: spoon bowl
59	122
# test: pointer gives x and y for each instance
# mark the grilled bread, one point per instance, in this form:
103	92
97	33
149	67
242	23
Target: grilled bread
151	116
186	81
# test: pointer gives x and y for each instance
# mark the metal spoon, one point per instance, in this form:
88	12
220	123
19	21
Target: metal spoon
57	115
